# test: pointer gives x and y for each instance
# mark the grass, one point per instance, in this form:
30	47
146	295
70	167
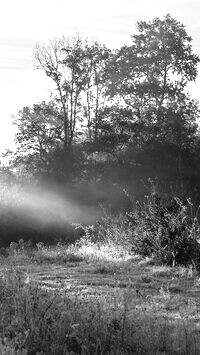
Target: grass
92	298
99	296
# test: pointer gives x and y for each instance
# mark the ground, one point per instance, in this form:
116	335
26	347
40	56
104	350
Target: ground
145	292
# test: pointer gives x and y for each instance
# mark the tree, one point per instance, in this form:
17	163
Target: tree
155	69
75	67
149	78
94	93
62	61
40	139
39	133
116	114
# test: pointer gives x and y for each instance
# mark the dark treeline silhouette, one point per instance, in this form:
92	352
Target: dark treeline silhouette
116	119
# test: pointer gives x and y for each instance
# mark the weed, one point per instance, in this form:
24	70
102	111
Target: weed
166	229
57	254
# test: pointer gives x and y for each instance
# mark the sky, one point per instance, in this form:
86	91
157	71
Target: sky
23	23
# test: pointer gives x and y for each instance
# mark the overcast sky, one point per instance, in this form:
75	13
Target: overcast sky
25	22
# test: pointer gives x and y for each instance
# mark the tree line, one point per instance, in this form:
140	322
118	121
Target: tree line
115	116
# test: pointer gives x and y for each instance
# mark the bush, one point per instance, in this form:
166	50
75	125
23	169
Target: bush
163	227
167	229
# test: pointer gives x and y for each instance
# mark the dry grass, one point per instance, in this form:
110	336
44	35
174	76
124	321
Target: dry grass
96	299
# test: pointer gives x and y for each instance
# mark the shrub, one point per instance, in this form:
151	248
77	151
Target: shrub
167	229
163	227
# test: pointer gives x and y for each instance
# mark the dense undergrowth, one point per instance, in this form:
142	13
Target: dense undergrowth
165	228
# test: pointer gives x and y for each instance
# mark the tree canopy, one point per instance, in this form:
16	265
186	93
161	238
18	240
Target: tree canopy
118	116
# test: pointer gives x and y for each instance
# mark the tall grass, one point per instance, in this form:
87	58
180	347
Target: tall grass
35	321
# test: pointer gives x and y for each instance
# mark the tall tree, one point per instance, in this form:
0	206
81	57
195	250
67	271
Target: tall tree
129	107
39	134
148	81
63	61
95	88
75	67
155	69
40	140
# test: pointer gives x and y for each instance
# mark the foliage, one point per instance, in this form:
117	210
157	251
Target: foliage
152	130
59	253
115	116
163	227
167	229
154	70
39	134
76	69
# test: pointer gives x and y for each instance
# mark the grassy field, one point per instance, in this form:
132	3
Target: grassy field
96	299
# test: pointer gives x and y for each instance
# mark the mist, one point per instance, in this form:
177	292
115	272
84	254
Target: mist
42	213
47	207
